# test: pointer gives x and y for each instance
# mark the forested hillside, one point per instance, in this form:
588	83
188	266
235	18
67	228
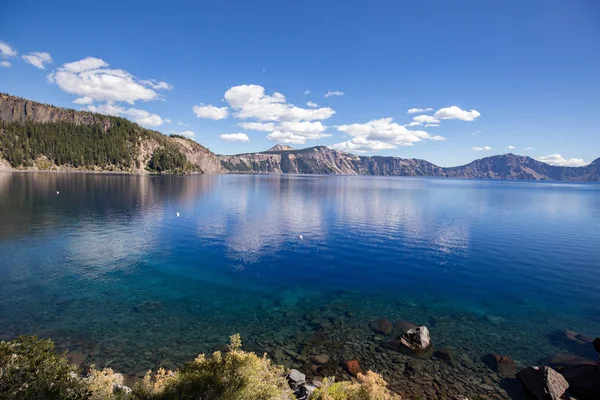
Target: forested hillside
38	136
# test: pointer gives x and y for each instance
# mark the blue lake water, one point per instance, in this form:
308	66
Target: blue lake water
107	268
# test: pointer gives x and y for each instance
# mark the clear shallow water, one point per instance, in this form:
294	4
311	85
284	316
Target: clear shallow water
107	268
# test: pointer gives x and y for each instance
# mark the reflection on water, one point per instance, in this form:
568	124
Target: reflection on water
108	266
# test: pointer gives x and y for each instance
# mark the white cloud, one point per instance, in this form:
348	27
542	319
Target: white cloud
557	159
298	132
257	126
235	137
307	92
380	134
335	93
431	125
361	145
455	112
181	123
5	64
210	112
476	133
528	148
452	112
157	85
6	50
312	104
38	59
141	117
484	148
511	147
83	100
167	121
418	110
250	101
286	137
91	78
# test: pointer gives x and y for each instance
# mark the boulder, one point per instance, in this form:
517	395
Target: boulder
416	338
352	367
583	379
503	365
576	337
382	326
296	378
543	383
596	343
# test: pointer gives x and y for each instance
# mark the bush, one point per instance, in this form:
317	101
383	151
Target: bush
31	369
370	386
234	375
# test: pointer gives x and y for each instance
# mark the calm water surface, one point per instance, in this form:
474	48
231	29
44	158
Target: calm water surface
107	268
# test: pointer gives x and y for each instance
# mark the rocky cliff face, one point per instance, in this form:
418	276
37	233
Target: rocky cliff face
17	110
322	160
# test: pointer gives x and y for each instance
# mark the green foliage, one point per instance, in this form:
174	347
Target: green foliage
235	375
31	369
111	143
370	386
168	158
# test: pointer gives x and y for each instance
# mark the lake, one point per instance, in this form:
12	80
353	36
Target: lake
137	271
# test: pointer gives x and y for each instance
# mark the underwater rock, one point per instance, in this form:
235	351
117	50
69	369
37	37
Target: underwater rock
352	367
577	337
401	327
382	326
446	354
503	365
583	379
77	358
318	338
148	306
321	359
566	359
416	338
543	383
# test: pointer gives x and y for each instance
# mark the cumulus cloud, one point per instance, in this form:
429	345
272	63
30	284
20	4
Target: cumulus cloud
307	92
5	64
484	148
452	112
83	100
6	50
418	110
210	112
511	147
235	137
334	93
251	101
557	159
38	59
312	104
272	113
141	117
92	78
380	134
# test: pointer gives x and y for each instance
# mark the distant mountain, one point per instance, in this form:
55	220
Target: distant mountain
281	147
323	160
35	136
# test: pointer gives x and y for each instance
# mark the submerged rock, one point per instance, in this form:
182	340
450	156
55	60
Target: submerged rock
566	359
382	326
446	354
416	338
321	359
577	337
503	365
401	327
543	383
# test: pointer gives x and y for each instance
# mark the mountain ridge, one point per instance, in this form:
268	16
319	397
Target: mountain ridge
36	136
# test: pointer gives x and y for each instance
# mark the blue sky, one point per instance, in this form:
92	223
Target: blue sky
494	74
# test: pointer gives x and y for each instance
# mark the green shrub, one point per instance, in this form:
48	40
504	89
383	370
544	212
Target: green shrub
31	369
234	375
370	386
